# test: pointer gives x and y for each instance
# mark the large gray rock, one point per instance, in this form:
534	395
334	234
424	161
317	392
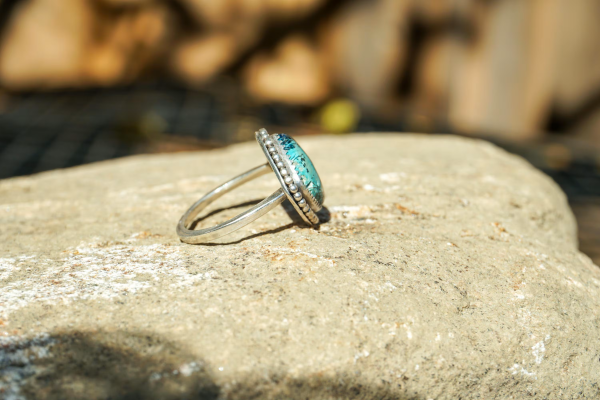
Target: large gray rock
449	269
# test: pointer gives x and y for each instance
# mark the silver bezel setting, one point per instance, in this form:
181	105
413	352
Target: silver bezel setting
304	203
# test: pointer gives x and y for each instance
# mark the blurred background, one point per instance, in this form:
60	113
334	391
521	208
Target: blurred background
90	80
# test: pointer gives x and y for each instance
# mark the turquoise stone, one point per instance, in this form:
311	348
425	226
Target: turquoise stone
303	166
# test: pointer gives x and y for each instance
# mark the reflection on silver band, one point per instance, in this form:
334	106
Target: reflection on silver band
208	234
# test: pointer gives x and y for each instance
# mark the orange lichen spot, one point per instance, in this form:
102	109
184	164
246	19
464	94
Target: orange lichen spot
405	210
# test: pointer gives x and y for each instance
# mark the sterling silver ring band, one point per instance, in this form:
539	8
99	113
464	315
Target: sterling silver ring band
299	181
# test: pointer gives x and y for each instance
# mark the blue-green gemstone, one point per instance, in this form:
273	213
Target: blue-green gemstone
303	166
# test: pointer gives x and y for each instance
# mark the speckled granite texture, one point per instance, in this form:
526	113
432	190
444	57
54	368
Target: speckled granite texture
448	269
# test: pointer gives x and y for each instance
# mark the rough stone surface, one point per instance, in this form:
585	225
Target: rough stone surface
448	269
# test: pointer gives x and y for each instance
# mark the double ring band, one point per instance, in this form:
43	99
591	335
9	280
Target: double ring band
300	183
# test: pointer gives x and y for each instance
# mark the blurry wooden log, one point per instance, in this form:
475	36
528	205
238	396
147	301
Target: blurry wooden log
45	44
213	14
234	26
127	46
116	4
542	54
198	59
432	76
228	13
434	12
52	43
503	80
364	47
579	47
288	9
293	74
578	79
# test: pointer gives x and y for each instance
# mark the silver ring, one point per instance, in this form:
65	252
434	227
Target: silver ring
300	183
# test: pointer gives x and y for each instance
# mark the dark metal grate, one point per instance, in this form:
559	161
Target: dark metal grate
44	131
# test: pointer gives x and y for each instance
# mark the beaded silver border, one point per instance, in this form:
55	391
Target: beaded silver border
291	183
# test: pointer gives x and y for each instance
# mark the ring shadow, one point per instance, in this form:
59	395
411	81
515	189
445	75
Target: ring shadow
121	365
297	221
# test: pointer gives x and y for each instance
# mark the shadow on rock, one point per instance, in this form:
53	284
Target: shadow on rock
116	365
323	214
122	365
297	221
246	204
